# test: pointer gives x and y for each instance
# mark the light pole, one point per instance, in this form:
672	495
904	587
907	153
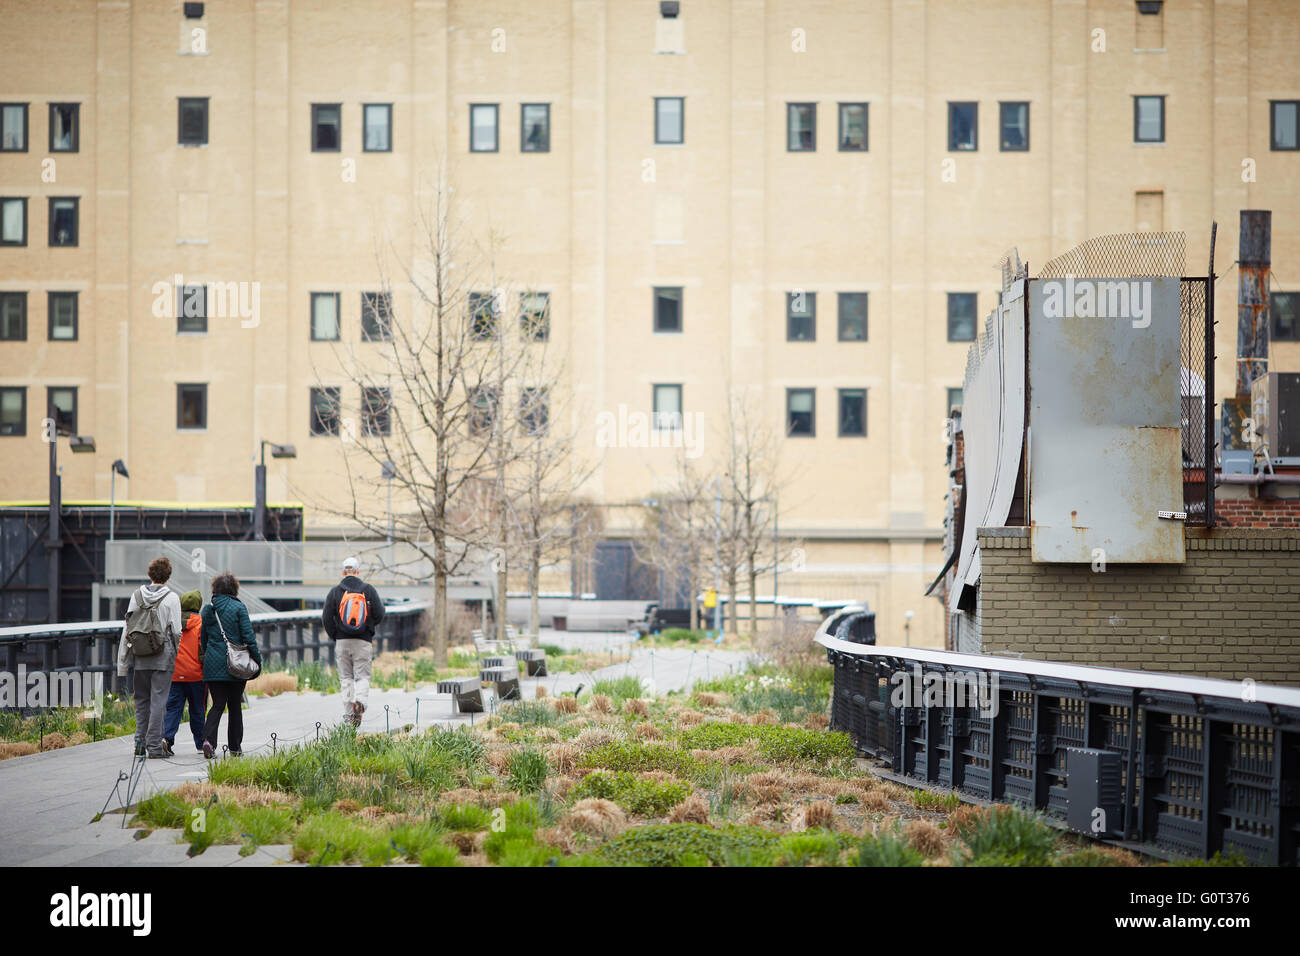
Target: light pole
119	468
259	485
389	473
52	428
717	562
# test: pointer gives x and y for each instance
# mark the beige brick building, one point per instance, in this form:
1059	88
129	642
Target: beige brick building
204	146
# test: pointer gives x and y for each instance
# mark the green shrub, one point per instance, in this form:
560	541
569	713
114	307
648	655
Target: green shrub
465	816
888	849
673	635
847	798
679	844
810	846
1088	856
440	854
1007	837
647	798
933	800
775	743
531	713
637	757
621	688
1232	859
527	770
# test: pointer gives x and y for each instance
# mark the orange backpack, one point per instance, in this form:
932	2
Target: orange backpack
352	613
188	666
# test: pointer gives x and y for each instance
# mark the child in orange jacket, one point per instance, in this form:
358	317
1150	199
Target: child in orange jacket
187	679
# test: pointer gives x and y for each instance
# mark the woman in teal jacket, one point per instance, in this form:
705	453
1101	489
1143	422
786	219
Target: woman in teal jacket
226	691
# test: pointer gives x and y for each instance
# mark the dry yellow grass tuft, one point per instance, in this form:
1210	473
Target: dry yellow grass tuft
965	815
893	791
542	691
765	814
658	776
648	731
703	699
565	705
874	801
20	748
817	814
371	813
689	718
499	760
811	783
563	757
601	703
467	843
347	806
595	817
924	837
548	735
765	794
460	795
635	707
769	778
761	718
54	741
593	737
193	791
694	809
865	783
80	737
817	722
272	684
725	755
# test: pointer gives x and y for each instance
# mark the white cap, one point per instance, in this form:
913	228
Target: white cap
351	564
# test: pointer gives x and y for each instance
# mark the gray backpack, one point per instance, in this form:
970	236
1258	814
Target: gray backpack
145	634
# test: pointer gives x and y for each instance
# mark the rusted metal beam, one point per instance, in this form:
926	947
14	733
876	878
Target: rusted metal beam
1253	261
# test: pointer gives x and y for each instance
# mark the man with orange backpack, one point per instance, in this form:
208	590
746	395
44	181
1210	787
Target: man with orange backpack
352	612
187	678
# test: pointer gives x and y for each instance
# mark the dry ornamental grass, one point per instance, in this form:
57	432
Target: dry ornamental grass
924	837
694	809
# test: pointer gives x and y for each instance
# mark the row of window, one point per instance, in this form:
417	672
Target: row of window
192	313
63	220
669	125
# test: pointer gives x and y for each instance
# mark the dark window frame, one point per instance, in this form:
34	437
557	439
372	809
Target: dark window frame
316	146
20	427
681	309
311	316
484	316
1002	125
23	201
181	102
659	140
947	410
49	404
196	388
812	414
839	317
182	294
381	327
22	318
534	329
26	128
1272	126
790	108
50	298
953	106
523	127
376	419
839	407
680	389
76	222
866	128
975	321
318	426
1137	98
1275	332
810	316
364	108
76	128
482	417
496	126
535	410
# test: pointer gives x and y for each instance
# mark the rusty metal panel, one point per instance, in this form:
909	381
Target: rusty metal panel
993	419
1105	419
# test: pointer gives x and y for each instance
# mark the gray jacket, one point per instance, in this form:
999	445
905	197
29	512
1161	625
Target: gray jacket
169	611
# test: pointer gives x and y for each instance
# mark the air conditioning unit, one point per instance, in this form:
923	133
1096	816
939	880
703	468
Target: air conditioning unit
1275	407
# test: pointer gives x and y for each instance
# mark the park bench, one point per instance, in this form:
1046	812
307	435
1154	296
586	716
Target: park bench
533	661
505	680
466	694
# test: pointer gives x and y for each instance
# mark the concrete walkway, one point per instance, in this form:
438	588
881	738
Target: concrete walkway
48	800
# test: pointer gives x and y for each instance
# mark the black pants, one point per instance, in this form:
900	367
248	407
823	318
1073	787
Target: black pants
225	694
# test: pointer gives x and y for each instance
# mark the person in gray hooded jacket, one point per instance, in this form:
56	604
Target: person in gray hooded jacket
153	673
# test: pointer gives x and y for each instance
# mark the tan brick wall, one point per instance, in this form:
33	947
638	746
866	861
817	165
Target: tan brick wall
1232	611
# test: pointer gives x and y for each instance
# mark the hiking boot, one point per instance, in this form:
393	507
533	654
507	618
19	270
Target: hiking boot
207	750
167	749
357	710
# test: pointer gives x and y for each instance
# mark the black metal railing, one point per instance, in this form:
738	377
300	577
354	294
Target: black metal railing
1204	766
292	637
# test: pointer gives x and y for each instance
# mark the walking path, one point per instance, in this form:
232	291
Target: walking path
48	800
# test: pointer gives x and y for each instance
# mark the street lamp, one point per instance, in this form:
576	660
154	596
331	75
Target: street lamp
119	468
259	485
57	423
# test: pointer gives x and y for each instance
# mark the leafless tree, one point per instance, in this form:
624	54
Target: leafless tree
678	532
